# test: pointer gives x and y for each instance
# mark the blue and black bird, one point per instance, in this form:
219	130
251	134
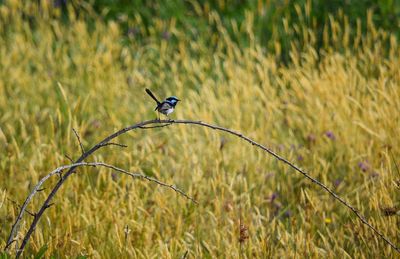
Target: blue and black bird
165	107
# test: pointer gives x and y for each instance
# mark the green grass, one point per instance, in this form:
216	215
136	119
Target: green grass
57	75
277	25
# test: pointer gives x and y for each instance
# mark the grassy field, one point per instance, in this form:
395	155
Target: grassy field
335	113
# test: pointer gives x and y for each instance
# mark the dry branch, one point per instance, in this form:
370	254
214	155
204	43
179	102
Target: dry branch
59	171
163	123
114	144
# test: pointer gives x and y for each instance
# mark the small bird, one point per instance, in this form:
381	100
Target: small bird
165	107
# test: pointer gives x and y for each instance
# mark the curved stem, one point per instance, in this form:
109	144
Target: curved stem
59	170
71	170
198	123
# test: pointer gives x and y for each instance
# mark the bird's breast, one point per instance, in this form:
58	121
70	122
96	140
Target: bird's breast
168	111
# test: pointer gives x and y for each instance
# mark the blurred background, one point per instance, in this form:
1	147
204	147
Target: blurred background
277	26
315	81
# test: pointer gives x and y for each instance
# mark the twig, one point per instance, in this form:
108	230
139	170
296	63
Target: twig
157	126
9	244
164	123
62	168
79	140
49	205
69	158
15	226
148	178
173	187
113	144
19	206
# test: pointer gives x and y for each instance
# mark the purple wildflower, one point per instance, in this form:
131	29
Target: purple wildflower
363	166
288	213
273	196
337	182
114	176
330	135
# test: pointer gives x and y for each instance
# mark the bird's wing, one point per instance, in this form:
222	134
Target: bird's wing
164	106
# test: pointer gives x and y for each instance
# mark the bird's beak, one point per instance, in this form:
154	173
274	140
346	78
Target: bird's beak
178	100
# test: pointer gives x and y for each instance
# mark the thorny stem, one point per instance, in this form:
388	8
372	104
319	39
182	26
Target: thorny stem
199	123
62	180
94	164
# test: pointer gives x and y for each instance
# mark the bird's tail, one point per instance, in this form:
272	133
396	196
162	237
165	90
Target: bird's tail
152	96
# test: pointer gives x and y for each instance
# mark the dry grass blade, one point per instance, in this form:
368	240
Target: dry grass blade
395	163
79	140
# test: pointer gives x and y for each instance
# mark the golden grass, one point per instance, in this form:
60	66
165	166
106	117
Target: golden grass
327	114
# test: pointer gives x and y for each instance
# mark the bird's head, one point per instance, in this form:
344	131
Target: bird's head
172	100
